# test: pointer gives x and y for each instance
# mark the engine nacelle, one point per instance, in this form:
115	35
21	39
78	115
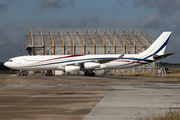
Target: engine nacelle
71	68
91	65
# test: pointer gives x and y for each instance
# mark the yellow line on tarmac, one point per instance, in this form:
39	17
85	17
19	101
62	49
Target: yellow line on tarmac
1	79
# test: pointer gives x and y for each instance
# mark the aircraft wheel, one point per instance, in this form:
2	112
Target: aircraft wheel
88	74
92	74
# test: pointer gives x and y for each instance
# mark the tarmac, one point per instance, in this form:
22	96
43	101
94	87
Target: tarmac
76	97
129	102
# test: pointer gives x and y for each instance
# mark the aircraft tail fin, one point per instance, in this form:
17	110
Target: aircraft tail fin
158	47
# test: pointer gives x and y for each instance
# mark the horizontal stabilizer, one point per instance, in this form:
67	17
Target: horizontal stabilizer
158	57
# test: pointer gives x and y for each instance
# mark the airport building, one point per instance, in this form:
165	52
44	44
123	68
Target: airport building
90	41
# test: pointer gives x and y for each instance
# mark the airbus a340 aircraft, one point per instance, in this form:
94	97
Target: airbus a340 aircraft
89	63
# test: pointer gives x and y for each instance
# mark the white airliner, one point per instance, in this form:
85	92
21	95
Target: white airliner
89	63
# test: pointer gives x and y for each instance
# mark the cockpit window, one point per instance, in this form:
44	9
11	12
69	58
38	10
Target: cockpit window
10	61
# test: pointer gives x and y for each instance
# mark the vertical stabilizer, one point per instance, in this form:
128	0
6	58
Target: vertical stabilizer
158	47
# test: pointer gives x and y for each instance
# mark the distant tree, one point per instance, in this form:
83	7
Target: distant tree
166	64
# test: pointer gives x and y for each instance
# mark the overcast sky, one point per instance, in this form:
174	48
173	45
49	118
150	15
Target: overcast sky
17	17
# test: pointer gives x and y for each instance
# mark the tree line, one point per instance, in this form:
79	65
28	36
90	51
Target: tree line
166	64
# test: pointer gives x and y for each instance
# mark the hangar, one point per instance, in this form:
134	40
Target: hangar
90	41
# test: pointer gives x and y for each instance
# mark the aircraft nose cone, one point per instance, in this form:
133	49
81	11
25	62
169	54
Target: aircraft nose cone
6	64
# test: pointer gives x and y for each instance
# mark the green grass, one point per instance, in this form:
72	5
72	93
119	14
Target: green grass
171	113
5	72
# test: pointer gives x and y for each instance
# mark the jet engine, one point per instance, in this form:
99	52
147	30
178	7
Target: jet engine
71	68
91	65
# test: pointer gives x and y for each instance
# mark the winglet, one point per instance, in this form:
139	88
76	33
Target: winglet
120	56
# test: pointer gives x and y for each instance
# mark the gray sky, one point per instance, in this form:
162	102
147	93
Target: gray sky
17	17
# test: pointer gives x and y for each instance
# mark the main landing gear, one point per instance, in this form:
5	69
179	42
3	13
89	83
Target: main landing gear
89	73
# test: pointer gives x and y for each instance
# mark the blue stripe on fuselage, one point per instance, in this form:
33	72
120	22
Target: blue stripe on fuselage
137	59
68	61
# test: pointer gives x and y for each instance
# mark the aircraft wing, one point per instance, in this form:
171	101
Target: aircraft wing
158	57
97	61
110	59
